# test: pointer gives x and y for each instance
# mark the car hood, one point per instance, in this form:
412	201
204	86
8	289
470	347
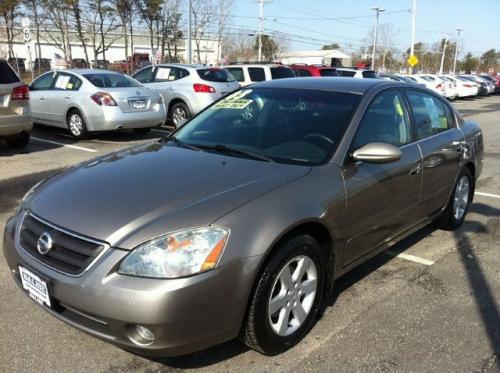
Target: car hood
128	197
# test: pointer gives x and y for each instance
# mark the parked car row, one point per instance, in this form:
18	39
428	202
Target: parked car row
452	86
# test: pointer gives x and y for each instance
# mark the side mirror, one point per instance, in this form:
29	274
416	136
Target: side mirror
377	152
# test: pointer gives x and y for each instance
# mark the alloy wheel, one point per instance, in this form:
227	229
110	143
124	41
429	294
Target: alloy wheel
292	295
461	198
75	125
179	115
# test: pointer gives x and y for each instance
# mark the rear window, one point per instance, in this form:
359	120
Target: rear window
328	72
7	75
237	72
111	81
281	72
347	73
215	75
369	74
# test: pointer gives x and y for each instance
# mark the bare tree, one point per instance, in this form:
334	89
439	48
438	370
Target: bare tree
223	15
9	12
76	7
149	11
59	16
37	15
202	16
124	11
239	46
168	28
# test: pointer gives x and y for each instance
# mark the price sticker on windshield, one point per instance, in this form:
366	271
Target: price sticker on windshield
233	104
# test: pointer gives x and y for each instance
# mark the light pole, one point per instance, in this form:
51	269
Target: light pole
190	57
378	10
442	56
413	31
456	50
261	20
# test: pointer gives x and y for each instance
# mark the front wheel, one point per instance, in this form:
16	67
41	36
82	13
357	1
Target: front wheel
458	205
287	296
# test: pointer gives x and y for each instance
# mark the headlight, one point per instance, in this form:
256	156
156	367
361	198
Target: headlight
25	197
177	254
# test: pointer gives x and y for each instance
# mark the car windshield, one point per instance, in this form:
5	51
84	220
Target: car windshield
281	72
328	72
288	126
102	80
215	75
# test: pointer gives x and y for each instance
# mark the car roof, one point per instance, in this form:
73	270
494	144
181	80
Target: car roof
90	71
313	67
257	65
334	84
186	65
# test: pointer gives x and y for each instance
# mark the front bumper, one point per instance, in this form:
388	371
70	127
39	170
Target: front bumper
185	315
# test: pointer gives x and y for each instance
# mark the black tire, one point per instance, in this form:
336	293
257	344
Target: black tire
77	131
142	131
257	331
176	112
449	219
19	140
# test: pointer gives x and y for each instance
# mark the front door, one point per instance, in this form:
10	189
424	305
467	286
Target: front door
381	199
442	146
38	97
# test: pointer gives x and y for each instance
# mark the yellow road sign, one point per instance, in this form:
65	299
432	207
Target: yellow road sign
412	60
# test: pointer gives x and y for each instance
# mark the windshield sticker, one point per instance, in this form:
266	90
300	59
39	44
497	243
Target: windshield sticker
233	104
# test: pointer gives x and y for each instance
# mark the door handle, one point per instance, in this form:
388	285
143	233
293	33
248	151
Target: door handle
416	169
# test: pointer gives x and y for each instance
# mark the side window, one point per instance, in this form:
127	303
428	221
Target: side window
180	73
163	74
145	75
428	113
43	83
237	72
302	73
257	74
66	82
384	121
348	74
450	115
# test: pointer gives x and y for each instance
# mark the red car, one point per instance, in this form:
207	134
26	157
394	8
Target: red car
302	70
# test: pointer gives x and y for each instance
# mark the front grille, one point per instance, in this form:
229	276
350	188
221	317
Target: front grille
70	253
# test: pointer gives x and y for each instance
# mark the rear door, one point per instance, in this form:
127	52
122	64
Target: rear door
39	90
61	97
382	199
442	145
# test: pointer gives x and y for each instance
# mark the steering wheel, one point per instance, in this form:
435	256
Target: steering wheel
318	136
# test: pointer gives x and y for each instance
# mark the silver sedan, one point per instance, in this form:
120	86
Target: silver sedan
95	100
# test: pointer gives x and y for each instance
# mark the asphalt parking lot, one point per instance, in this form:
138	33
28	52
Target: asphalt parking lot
432	303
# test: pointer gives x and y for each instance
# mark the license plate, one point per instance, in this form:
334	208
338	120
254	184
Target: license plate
138	104
36	287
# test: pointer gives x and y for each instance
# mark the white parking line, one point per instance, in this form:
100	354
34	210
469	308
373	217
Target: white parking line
411	258
487	195
65	145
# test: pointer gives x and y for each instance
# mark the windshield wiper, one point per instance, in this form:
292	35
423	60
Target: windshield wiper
180	142
227	149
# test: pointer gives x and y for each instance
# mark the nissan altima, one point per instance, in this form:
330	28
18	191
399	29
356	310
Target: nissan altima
238	223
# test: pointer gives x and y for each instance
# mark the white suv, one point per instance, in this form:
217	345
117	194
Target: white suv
247	74
15	110
355	73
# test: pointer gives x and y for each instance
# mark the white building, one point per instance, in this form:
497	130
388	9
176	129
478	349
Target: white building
322	57
209	48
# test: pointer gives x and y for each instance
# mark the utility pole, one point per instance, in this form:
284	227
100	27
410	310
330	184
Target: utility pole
190	57
413	30
378	10
261	21
442	56
456	50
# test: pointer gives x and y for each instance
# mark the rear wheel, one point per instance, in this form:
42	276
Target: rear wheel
287	296
76	124
142	131
179	113
458	205
19	140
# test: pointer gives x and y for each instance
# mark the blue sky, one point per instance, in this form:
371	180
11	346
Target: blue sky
312	23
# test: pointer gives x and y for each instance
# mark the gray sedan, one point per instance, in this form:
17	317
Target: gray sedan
95	100
239	223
